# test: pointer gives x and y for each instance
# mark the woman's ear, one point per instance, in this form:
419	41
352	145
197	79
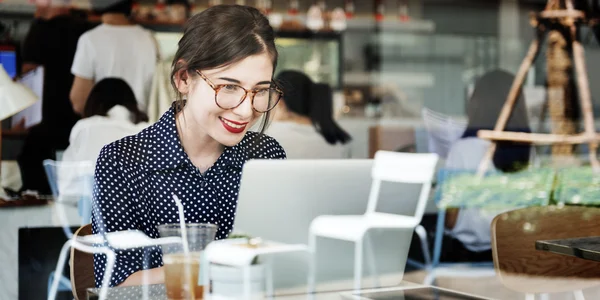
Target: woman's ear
183	81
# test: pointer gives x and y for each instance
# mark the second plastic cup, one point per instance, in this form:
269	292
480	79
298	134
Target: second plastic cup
181	270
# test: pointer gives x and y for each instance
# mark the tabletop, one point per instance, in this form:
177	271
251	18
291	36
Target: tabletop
582	247
405	290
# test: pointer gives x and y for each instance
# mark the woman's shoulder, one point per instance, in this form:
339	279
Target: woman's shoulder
129	151
259	145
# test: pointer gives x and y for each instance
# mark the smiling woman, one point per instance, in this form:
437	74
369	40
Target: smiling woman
223	75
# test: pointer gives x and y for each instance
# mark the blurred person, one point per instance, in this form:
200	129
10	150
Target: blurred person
303	123
110	113
223	69
51	43
468	236
115	48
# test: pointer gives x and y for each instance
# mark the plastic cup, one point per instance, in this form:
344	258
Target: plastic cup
182	269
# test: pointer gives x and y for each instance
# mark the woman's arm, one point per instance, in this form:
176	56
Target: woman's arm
153	276
115	209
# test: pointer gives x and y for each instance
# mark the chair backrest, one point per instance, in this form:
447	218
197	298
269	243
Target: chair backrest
81	267
417	168
442	131
523	268
71	182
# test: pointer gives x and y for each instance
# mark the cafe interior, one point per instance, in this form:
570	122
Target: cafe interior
464	163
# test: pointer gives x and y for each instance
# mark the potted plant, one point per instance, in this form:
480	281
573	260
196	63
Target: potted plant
228	281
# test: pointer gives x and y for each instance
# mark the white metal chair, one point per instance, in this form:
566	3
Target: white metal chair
81	173
73	176
388	166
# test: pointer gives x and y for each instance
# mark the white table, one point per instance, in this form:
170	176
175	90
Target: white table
11	219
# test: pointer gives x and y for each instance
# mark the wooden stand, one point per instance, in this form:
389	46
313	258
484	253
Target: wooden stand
557	14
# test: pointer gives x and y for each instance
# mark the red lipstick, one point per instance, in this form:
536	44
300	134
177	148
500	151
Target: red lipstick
233	126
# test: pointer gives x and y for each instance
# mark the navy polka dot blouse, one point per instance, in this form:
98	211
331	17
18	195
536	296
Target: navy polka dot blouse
137	176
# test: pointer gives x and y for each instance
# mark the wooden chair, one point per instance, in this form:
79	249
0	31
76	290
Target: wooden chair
82	267
391	138
524	269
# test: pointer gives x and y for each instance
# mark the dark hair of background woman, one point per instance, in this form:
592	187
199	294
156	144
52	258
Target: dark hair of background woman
109	92
483	110
314	100
219	36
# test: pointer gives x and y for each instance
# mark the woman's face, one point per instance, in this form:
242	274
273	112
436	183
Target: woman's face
227	126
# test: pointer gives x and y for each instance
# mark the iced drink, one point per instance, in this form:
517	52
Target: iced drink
180	284
182	270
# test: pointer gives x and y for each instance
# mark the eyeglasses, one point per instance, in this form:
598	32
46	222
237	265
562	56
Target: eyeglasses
230	96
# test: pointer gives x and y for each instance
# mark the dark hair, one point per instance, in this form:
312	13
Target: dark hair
314	100
220	36
112	6
483	110
108	93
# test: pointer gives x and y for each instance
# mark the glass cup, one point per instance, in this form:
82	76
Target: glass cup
181	270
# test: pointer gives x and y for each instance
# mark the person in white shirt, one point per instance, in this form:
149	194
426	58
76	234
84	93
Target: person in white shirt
469	237
116	48
303	123
110	113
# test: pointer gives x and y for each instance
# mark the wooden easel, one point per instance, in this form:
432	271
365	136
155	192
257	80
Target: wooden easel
558	13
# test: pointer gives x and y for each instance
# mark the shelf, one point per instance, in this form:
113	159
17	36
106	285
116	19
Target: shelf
403	79
161	25
16	9
365	23
308	34
299	34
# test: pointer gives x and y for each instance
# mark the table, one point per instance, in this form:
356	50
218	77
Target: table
584	247
157	292
13	218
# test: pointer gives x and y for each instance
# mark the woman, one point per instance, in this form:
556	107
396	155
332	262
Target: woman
469	230
303	122
110	113
223	68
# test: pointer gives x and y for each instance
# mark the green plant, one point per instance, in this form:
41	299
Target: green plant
531	187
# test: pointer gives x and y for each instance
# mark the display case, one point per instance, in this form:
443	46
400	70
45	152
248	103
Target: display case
318	54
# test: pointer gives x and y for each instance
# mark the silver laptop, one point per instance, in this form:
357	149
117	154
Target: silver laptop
279	198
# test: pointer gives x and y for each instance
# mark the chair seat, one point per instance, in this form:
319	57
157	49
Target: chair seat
128	239
353	227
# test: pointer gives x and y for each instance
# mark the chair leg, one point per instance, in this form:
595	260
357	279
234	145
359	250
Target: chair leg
578	294
312	263
247	290
64	283
439	235
372	261
358	264
145	276
60	265
422	234
269	278
110	263
430	278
